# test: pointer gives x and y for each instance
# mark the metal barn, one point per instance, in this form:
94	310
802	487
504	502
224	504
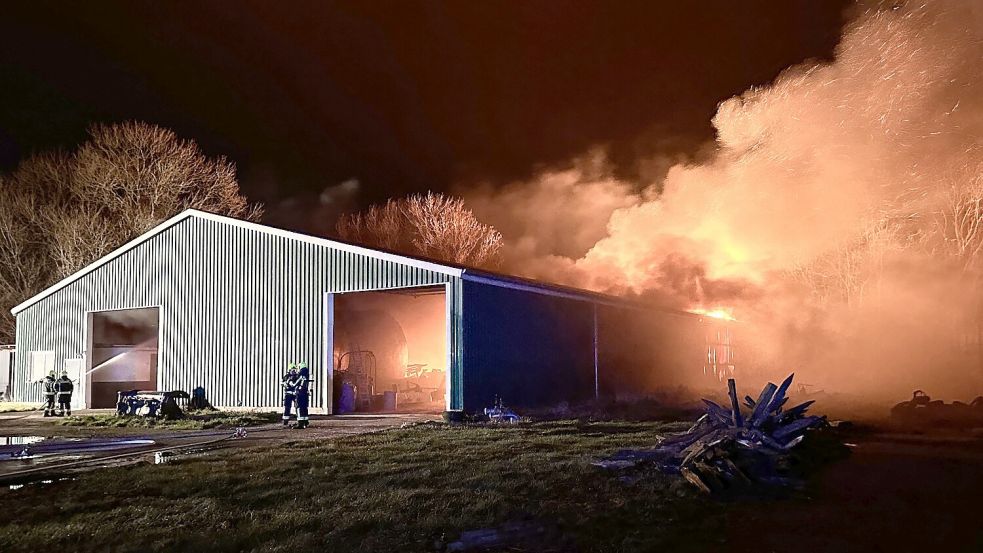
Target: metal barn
206	300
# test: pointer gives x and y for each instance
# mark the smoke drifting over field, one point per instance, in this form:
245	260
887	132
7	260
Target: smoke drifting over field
839	216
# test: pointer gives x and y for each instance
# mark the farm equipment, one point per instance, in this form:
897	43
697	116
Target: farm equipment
153	404
500	413
921	411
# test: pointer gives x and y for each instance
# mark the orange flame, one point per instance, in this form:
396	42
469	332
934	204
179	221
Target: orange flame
722	313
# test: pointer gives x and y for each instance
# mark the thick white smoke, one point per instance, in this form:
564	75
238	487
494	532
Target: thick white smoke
825	217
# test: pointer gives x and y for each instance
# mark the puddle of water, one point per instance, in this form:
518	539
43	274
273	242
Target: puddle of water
16	447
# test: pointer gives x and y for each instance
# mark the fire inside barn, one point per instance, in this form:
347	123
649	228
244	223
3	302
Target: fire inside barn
206	300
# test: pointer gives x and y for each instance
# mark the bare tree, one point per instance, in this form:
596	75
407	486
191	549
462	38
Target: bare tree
21	254
850	271
959	221
61	211
431	225
446	229
382	226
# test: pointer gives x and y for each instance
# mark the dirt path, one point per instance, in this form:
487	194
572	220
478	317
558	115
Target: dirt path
34	424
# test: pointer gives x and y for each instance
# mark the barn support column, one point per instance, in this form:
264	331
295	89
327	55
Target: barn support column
597	389
327	358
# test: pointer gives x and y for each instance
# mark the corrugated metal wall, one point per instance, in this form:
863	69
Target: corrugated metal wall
6	370
236	304
527	348
535	349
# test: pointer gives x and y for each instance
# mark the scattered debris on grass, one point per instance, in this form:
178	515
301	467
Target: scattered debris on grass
500	413
418	423
726	450
922	411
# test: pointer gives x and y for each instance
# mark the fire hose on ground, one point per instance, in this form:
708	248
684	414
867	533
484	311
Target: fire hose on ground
238	433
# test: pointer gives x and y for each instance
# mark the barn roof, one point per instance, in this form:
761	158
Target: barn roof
460	271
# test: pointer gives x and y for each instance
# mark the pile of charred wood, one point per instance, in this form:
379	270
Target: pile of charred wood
728	449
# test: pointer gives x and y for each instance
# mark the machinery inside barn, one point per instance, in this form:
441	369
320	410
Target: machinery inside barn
390	351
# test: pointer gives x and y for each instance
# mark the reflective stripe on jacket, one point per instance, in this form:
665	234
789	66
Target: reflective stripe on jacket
289	384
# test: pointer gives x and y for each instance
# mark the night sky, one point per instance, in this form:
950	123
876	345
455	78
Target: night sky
402	96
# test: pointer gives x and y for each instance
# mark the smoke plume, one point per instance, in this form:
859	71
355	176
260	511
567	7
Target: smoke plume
839	216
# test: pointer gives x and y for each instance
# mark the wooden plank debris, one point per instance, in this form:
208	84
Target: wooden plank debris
761	411
735	407
724	450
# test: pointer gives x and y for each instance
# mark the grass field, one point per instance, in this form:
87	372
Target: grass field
193	420
400	490
14	406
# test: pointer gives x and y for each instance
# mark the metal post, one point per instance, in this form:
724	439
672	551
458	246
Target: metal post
327	359
597	389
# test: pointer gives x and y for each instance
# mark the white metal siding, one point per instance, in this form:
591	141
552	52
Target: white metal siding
236	305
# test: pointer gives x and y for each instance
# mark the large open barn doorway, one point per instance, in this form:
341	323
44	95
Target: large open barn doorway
390	351
121	353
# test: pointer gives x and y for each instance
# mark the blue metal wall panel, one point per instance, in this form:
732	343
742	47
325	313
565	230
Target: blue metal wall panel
236	305
530	349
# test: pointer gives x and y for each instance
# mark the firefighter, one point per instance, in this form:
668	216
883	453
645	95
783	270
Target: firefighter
65	389
50	390
289	384
303	379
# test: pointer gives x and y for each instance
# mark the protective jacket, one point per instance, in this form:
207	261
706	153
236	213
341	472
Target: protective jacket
302	380
50	386
50	389
65	386
289	384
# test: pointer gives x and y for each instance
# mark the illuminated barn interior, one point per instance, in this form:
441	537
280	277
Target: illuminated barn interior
390	350
123	354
